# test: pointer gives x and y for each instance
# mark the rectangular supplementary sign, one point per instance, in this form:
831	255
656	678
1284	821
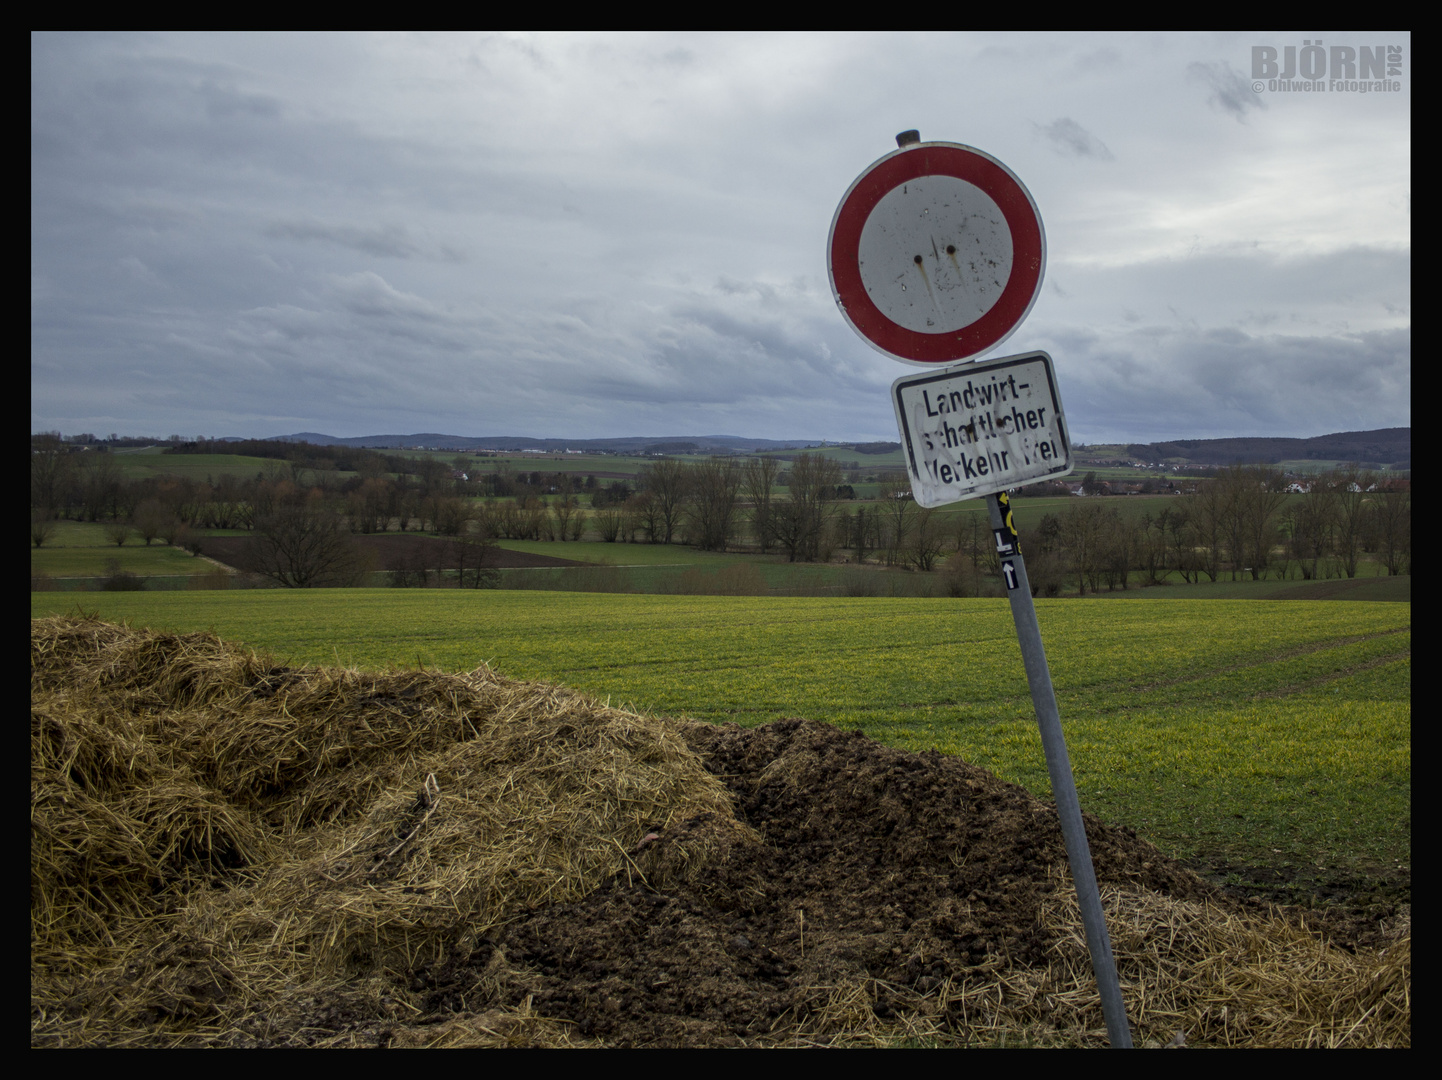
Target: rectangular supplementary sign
981	427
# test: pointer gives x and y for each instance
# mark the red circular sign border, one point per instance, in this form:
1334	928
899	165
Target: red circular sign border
1028	252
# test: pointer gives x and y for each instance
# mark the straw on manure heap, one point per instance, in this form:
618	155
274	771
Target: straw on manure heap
210	833
228	852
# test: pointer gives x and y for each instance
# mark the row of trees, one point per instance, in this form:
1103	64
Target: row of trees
701	503
1242	524
89	485
708	503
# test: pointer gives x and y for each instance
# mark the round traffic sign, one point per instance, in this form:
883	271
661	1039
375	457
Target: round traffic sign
936	253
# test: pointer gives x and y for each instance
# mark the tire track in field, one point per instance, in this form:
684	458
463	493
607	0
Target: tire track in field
1301	650
1311	684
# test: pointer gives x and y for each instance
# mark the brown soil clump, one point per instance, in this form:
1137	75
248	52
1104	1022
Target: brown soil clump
887	872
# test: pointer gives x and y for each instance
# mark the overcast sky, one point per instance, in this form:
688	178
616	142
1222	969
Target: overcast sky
590	236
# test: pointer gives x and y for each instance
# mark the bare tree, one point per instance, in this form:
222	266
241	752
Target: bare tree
1152	548
928	540
369	506
1261	496
1392	508
802	518
565	508
644	510
100	481
973	538
1083	526
408	507
759	477
787	526
1207	514
302	546
1121	545
150	520
42	525
50	472
713	489
1182	543
473	554
609	521
1230	495
666	483
861	532
897	510
1351	488
1313	521
266	497
525	518
223	508
435	475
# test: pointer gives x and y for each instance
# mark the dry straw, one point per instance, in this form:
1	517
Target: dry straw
214	839
224	852
1192	974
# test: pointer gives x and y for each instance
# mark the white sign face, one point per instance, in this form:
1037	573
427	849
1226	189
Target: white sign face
935	254
983	427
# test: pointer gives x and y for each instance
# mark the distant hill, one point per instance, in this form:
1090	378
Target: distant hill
639	444
1385	446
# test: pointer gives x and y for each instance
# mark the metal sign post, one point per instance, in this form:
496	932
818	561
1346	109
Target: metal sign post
936	255
1058	767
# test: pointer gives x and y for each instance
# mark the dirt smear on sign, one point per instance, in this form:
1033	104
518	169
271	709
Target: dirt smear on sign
224	852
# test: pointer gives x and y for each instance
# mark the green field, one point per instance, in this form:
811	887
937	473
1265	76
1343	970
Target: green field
604	467
78	556
867	464
153	461
80	550
1255	738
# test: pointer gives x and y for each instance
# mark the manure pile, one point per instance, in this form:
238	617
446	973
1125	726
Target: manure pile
229	853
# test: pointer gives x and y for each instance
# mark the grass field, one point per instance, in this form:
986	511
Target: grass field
1267	740
153	461
80	550
78	556
604	467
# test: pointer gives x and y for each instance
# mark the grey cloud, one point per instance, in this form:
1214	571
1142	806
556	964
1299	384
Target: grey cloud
1230	90
387	241
1352	285
224	101
1099	59
1154	380
1069	137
